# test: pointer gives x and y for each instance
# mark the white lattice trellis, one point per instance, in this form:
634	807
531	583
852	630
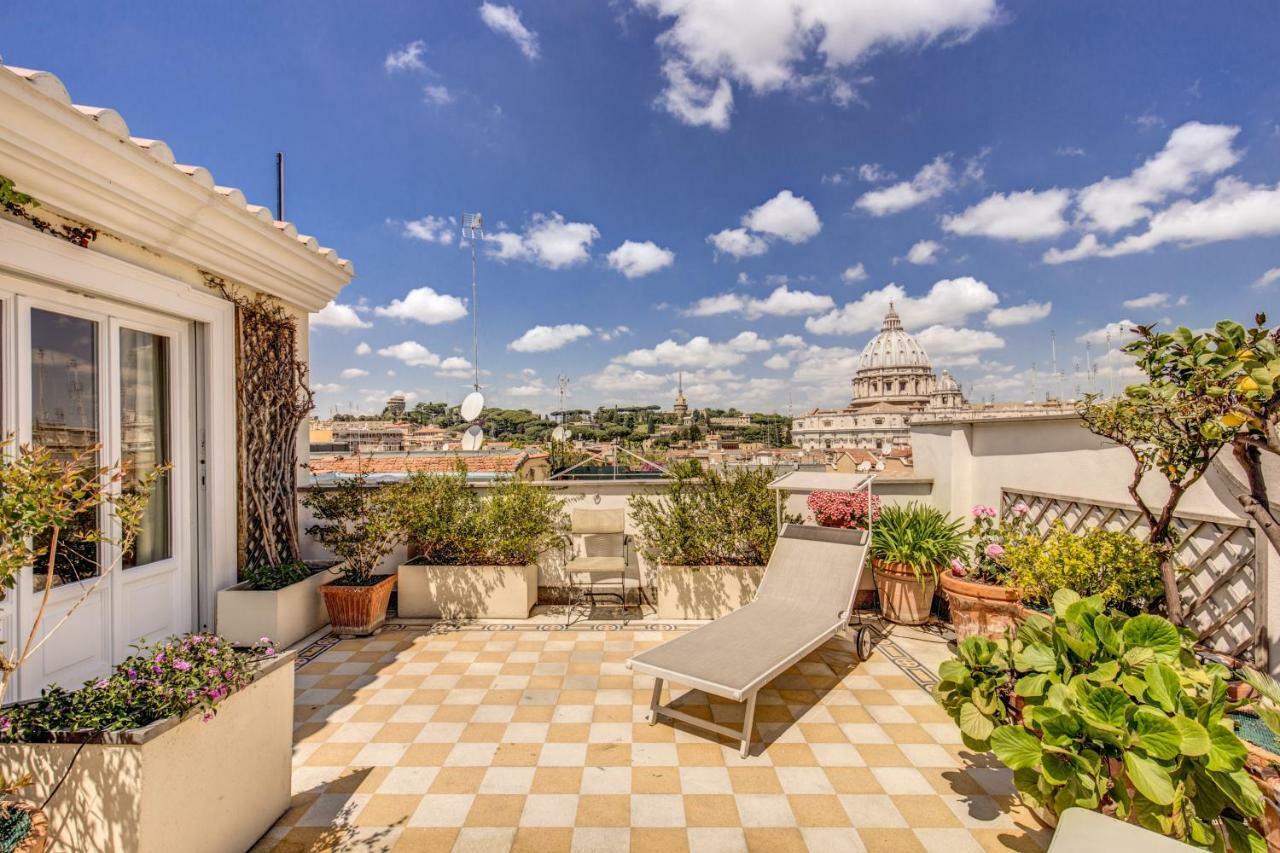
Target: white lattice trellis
1220	579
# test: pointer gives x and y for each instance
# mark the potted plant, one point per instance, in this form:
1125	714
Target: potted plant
709	537
360	524
52	506
1121	568
910	545
281	601
477	555
981	597
1096	709
186	745
849	510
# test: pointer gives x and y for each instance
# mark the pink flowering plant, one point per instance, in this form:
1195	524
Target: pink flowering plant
844	509
173	678
990	537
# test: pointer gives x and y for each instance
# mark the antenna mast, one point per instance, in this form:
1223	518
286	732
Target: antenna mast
473	230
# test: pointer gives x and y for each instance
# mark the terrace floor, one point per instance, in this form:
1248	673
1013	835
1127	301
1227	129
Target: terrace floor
528	736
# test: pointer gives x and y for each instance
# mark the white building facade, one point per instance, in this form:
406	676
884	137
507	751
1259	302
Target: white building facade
894	380
110	336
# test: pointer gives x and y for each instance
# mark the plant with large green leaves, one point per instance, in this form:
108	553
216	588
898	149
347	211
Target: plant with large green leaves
1095	709
918	536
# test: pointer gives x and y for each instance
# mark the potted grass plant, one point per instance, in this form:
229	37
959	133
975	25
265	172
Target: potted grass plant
477	554
359	523
910	545
709	537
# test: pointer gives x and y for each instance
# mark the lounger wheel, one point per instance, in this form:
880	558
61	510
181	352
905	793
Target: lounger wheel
862	642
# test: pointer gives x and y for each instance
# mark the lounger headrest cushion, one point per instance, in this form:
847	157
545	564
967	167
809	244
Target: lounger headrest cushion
834	535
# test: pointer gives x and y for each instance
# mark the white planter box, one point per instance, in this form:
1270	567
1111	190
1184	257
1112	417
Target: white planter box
178	784
466	592
285	615
705	592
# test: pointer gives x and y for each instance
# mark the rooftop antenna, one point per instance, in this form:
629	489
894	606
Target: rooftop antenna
280	186
1088	365
1053	348
1111	374
473	404
564	384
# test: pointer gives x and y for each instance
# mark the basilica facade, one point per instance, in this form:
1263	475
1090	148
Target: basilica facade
894	380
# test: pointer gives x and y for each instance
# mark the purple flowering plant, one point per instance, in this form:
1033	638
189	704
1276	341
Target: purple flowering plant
990	537
181	675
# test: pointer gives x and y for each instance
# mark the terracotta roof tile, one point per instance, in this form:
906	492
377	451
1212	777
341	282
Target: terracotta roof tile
485	463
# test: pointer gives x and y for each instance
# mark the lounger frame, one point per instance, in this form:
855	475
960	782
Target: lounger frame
749	693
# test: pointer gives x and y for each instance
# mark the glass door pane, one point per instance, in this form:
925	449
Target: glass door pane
144	437
64	419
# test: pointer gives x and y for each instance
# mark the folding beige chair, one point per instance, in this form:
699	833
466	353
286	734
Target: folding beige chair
805	598
599	557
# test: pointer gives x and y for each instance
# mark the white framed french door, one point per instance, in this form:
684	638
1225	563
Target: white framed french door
89	372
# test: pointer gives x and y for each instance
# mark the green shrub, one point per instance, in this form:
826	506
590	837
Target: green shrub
358	522
919	536
1124	570
1104	711
709	518
276	577
453	524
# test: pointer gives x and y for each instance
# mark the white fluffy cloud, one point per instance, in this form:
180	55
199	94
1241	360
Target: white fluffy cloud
411	353
1019	315
437	93
335	316
697	352
857	272
326	387
431	229
363	348
1086	248
738	242
924	252
505	20
1233	211
787	216
944	342
548	241
950	300
782	302
768	45
1118	333
424	305
407	58
931	181
353	373
1154	299
1027	215
1193	151
1266	279
693	102
455	367
546	338
634	259
616	379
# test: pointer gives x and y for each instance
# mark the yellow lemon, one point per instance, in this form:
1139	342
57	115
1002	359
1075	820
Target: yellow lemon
1246	383
1232	420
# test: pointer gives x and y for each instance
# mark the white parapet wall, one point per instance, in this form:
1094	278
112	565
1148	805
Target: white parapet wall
973	460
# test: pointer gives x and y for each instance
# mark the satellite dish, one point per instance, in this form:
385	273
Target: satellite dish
472	406
559	434
472	438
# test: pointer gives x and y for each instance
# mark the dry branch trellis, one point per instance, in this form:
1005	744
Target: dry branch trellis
273	399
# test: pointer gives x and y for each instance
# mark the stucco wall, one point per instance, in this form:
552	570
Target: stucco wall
970	463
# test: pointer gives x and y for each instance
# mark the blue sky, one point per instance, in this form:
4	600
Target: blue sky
736	195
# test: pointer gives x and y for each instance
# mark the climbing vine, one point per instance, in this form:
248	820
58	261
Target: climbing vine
19	204
273	399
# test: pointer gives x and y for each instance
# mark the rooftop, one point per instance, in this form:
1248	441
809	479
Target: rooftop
528	736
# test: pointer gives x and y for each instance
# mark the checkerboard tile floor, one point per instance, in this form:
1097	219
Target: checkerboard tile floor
479	740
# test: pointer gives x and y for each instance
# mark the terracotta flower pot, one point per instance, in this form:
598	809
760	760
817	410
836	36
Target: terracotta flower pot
981	608
358	610
38	835
1263	768
904	598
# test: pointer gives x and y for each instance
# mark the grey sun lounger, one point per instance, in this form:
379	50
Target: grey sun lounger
805	598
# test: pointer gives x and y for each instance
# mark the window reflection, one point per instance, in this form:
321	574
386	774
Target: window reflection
64	405
144	437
